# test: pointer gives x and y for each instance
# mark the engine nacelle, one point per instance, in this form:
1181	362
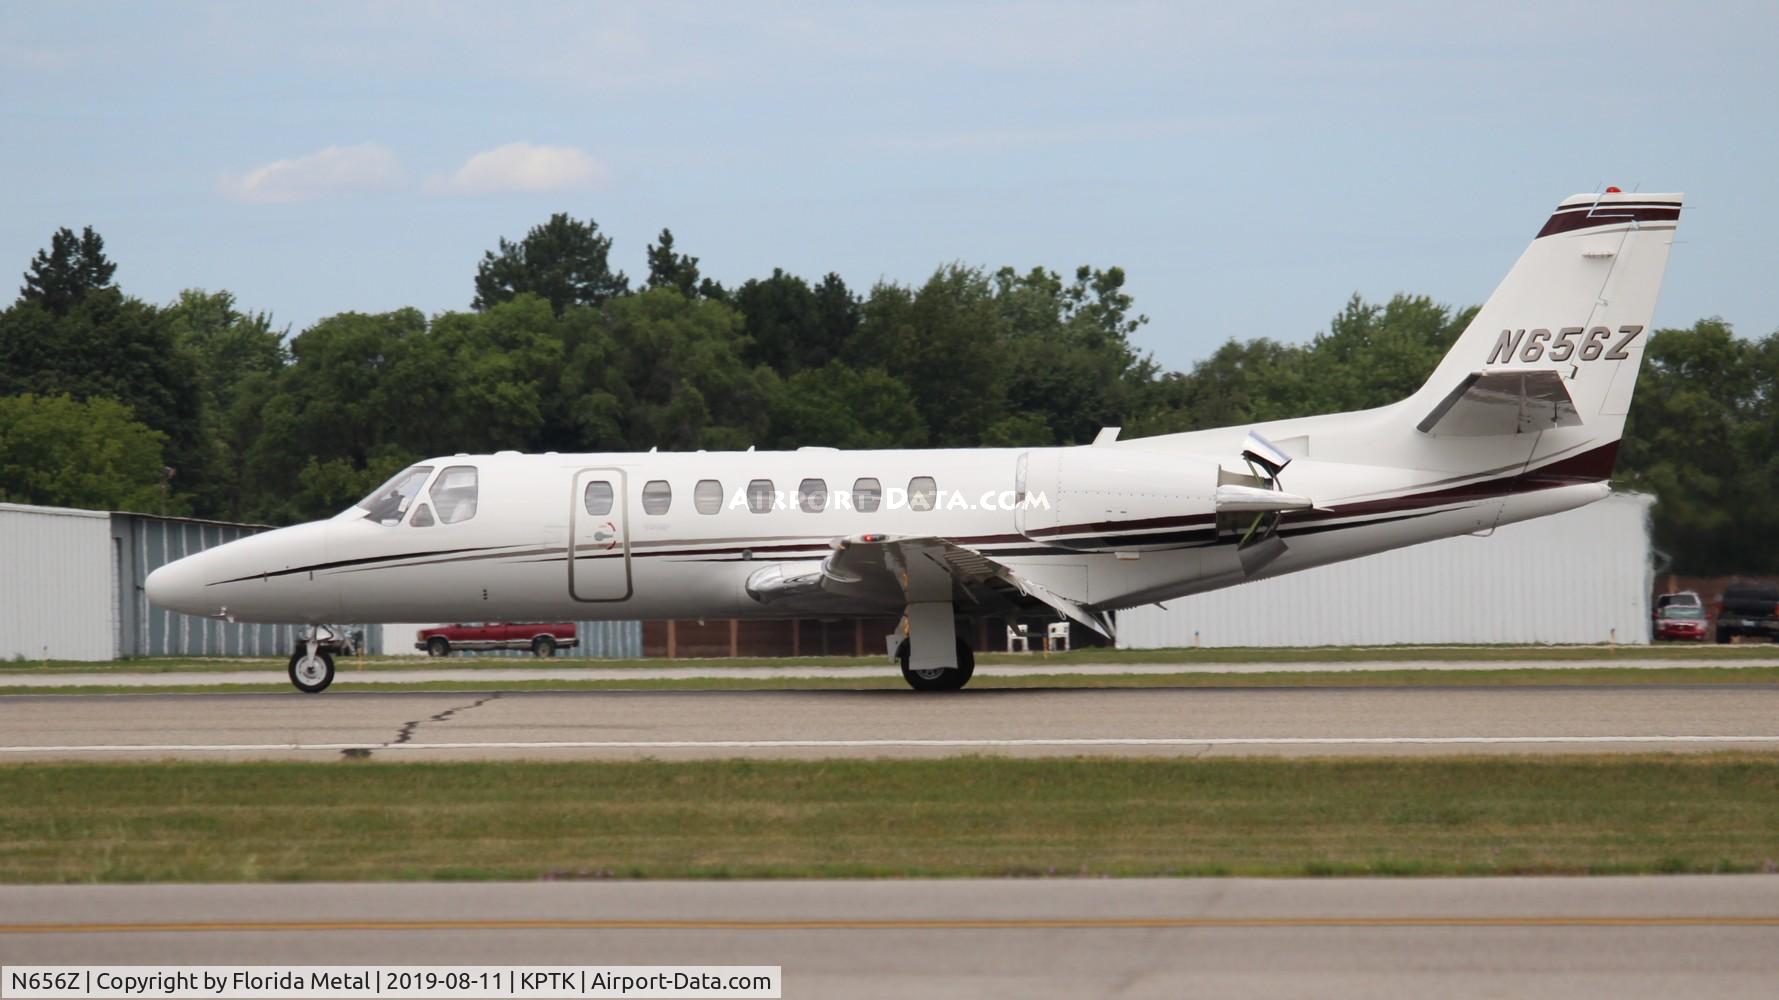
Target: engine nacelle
1099	499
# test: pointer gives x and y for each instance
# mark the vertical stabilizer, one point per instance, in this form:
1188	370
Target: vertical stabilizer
1563	334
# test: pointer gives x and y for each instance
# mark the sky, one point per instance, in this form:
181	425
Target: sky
1249	165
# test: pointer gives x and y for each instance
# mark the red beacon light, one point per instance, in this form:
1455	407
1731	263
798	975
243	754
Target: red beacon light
1613	190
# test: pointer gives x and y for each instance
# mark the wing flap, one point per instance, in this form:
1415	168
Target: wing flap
883	571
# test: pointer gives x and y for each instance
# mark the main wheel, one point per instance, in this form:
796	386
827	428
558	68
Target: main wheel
941	679
311	674
543	647
438	645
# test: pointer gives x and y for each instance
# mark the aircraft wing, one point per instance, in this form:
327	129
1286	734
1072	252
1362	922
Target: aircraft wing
890	571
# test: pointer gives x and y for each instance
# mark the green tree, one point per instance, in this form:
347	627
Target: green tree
565	261
236	358
499	372
359	388
838	406
110	345
792	327
657	369
1072	369
945	342
1373	355
57	451
678	271
1699	437
72	267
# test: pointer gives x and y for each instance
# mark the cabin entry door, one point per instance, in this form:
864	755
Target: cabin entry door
599	536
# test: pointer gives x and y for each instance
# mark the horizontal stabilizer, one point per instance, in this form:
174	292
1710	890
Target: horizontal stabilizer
1236	499
1503	402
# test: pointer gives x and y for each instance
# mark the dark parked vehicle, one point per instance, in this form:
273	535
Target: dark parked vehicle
542	640
1748	609
1680	621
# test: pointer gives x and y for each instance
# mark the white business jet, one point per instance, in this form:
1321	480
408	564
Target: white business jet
1520	420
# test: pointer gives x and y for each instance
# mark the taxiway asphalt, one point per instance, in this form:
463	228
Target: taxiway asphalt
1699	937
496	672
891	722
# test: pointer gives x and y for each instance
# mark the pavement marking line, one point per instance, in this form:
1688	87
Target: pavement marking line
914	744
914	923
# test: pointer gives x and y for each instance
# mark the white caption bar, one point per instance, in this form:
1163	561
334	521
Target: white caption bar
393	982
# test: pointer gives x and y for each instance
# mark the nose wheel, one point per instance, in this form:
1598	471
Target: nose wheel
312	665
311	672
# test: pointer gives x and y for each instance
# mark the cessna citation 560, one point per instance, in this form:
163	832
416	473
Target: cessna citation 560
1521	419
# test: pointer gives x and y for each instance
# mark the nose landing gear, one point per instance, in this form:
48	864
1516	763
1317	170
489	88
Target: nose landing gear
312	665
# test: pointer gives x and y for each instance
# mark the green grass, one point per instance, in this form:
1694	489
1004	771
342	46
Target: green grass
369	820
1304	654
1521	677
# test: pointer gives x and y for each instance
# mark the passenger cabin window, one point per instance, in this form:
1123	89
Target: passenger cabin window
598	498
455	493
388	503
759	496
422	517
866	495
707	496
923	493
812	496
657	496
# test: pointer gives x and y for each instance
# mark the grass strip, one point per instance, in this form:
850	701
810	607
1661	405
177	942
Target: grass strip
1468	678
973	816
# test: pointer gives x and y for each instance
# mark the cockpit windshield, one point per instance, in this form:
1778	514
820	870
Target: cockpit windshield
387	503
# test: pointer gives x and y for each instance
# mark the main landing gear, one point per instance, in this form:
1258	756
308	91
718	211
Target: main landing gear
938	678
312	665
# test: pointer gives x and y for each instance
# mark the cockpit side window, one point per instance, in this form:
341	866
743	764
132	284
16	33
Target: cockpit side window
455	494
389	502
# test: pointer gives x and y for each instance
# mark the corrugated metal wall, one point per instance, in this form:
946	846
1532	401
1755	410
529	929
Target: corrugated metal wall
146	543
1578	577
55	584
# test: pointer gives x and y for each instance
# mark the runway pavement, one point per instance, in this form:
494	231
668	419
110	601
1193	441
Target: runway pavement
492	673
890	722
1699	937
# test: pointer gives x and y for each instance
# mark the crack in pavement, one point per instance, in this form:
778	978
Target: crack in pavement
406	733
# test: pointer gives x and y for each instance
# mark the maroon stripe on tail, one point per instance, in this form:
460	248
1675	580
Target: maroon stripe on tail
1567	221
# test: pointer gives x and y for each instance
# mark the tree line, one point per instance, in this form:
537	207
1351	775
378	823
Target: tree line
199	407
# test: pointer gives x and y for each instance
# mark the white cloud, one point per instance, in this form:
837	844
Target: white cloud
520	166
332	171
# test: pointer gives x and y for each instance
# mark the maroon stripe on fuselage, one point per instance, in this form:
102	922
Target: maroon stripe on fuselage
1592	466
1170	521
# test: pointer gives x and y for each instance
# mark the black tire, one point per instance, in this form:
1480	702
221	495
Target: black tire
543	647
311	678
939	680
438	645
1723	635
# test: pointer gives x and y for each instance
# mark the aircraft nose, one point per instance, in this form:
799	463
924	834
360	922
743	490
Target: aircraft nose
178	586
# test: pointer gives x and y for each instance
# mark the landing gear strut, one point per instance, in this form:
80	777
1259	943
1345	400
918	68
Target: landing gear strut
938	678
312	665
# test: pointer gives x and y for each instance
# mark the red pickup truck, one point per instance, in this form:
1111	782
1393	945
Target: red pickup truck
542	640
